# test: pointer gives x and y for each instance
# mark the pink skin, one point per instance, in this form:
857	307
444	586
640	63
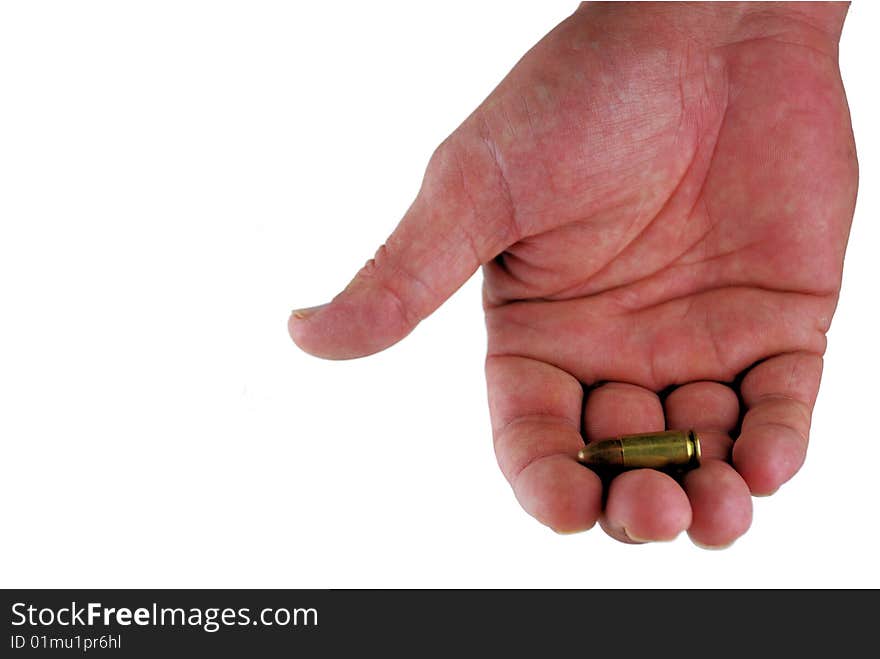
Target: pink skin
660	196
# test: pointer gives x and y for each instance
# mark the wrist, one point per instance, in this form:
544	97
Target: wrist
814	24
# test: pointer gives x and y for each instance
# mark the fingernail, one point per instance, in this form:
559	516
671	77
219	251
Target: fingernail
566	531
302	314
632	538
712	547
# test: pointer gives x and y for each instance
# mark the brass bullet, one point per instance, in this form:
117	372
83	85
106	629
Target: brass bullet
652	450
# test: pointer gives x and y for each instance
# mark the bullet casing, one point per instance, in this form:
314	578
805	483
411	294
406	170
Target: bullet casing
653	450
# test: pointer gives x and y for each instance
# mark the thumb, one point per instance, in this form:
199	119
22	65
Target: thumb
461	218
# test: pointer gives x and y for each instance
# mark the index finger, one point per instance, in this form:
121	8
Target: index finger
536	417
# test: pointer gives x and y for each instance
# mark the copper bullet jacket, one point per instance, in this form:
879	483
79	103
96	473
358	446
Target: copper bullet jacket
652	450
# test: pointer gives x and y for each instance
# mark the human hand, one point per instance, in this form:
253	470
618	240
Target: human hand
660	197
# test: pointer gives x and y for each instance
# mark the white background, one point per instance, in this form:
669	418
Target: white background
175	177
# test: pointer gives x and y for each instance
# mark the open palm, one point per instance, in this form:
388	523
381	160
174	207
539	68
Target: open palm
660	198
